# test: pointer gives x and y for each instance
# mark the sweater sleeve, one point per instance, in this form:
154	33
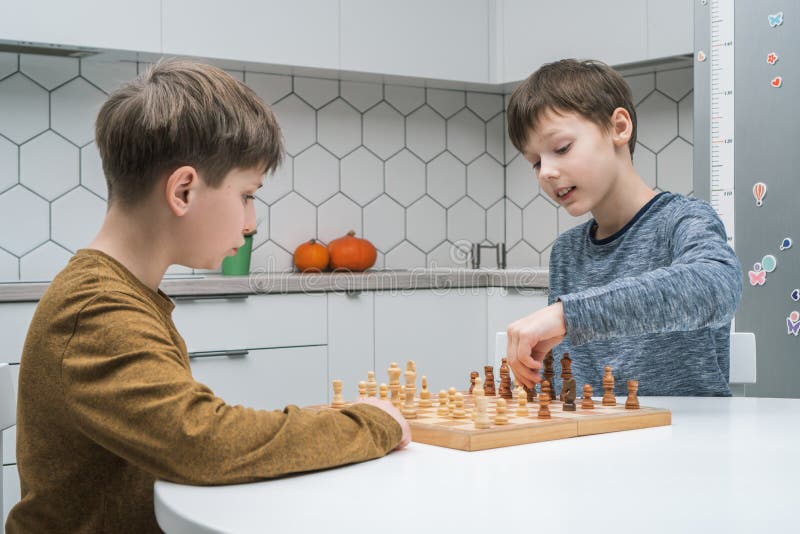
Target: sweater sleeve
129	389
700	288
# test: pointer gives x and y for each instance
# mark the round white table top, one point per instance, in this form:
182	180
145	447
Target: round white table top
725	465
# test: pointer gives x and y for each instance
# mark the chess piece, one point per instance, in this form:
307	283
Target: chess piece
443	410
411	365
568	394
488	385
566	372
338	400
478	389
548	369
481	413
608	389
384	391
401	397
451	400
546	389
372	385
501	415
544	402
531	392
472	376
394	383
425	394
632	403
522	403
587	403
409	410
362	389
505	381
458	409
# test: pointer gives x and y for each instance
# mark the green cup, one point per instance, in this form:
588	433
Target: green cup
240	263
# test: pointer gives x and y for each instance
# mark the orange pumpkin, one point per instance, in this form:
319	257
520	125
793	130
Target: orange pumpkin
311	256
352	253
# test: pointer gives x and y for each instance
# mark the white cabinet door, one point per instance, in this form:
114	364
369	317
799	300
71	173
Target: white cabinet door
257	321
446	39
444	332
15	318
267	379
299	33
670	28
11	491
535	33
351	339
10	434
91	23
506	305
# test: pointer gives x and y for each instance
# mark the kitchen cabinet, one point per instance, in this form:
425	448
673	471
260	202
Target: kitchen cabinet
212	323
670	28
15	317
266	379
303	33
11	490
447	39
535	33
351	340
86	23
442	330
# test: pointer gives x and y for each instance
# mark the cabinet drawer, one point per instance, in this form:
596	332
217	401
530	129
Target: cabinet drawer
252	322
267	379
15	318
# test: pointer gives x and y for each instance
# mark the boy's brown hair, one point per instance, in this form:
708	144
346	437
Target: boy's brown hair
182	113
589	88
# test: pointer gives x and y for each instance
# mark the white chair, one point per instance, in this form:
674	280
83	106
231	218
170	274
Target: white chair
743	356
8	410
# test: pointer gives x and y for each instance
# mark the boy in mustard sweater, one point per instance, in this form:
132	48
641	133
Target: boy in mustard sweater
107	403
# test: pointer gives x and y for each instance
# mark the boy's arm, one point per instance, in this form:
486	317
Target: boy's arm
130	390
701	287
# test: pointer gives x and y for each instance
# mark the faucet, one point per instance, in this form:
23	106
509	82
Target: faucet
500	254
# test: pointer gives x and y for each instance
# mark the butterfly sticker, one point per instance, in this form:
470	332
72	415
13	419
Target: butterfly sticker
776	19
793	324
757	278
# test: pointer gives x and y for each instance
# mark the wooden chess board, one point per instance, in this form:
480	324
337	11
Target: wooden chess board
461	434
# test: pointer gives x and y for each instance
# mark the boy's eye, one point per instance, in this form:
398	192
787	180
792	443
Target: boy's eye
537	165
245	198
563	149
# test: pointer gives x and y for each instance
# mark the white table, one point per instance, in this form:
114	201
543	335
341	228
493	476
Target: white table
725	465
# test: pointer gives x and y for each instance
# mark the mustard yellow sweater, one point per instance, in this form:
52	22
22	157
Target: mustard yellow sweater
107	404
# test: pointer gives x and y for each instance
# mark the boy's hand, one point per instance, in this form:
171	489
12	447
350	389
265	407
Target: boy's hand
529	340
389	408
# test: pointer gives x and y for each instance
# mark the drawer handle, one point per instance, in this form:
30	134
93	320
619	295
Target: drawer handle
221	296
214	353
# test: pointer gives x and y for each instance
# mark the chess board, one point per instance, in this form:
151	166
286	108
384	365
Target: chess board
461	434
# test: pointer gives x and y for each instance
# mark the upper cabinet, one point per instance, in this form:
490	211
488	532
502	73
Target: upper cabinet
535	33
670	28
446	39
303	33
85	23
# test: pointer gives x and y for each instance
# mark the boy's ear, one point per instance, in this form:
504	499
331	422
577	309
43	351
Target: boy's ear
181	186
621	126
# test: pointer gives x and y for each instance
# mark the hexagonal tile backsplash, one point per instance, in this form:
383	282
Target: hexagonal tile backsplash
419	171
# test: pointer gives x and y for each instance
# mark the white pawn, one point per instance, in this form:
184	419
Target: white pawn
481	415
522	403
362	389
425	394
501	417
443	410
338	400
372	385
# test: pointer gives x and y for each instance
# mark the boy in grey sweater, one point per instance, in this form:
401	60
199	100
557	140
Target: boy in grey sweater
648	286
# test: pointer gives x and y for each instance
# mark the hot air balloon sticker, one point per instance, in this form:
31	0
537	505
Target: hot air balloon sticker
760	191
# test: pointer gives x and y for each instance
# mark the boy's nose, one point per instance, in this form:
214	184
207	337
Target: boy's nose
547	171
250	217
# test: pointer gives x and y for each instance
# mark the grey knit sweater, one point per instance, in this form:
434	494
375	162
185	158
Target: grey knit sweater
654	301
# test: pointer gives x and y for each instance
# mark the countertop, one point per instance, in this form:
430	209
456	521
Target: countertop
725	465
378	280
